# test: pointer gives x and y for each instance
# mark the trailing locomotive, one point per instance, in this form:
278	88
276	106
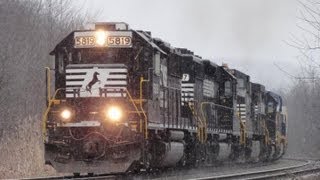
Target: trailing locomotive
124	100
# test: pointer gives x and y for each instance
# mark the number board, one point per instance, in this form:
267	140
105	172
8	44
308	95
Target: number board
89	39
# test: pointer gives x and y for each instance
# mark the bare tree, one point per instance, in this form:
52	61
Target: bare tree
304	98
29	31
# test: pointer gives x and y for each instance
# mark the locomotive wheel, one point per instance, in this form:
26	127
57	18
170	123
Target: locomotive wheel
284	148
191	151
208	153
263	152
248	150
269	152
279	151
212	152
135	167
199	154
235	152
183	161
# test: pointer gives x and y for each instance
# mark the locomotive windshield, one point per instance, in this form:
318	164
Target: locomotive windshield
100	56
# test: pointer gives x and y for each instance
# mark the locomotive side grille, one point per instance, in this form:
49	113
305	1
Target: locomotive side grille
208	88
96	80
187	92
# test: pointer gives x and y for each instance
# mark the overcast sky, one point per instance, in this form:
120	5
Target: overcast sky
249	35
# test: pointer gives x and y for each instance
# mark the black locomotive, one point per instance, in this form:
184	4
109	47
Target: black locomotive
124	100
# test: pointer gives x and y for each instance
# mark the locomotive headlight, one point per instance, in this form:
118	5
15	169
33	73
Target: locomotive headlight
114	113
66	115
101	38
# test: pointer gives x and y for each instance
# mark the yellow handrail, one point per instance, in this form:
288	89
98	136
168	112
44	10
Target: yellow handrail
201	126
243	132
45	115
142	80
48	84
132	101
202	112
137	110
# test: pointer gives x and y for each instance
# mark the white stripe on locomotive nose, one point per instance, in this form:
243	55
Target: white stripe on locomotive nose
187	89
110	94
120	70
117	76
68	77
187	85
68	83
78	70
106	83
116	95
116	83
241	105
110	77
187	92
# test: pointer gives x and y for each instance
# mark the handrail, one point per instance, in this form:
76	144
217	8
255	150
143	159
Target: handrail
45	115
201	125
48	81
202	112
242	130
142	80
135	106
132	101
218	105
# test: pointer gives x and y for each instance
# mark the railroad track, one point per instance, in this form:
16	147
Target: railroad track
308	167
305	167
81	177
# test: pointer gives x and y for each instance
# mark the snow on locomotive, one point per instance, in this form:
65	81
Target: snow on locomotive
124	100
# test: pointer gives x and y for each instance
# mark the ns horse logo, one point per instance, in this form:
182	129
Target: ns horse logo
93	81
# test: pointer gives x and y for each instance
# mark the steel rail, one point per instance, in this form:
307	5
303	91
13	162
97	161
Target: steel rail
260	174
284	174
95	176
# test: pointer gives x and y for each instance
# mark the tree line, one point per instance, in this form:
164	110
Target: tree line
29	31
303	98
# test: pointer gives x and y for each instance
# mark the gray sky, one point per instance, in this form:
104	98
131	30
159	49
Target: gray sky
247	34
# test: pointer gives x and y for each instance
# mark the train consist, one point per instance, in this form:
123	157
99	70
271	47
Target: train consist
124	100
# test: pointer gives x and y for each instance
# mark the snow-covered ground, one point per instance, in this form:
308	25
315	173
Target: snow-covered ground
22	151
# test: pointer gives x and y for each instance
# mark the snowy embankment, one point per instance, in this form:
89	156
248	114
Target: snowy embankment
22	152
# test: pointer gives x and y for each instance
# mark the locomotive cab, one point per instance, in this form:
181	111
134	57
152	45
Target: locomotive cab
276	122
258	109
